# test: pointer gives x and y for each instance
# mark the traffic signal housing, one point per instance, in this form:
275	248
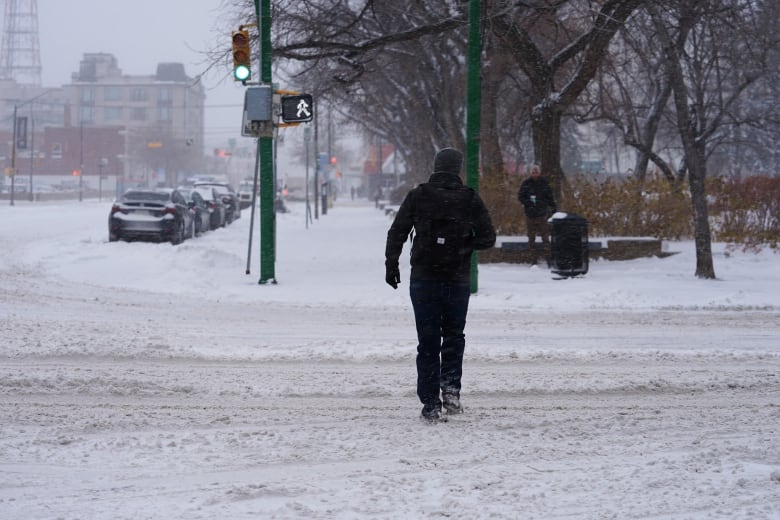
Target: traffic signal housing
242	61
298	108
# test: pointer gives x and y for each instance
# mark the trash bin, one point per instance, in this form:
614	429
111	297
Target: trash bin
568	244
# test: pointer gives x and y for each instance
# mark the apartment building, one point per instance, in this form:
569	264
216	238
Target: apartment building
154	124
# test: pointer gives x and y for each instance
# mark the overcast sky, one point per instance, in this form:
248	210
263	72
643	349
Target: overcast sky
141	34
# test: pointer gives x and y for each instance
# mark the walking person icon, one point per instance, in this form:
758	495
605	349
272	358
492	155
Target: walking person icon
303	109
297	108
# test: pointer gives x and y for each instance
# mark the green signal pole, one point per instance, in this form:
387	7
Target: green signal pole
473	103
265	153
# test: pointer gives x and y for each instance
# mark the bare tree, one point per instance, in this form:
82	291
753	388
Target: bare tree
747	143
632	92
558	45
347	45
711	59
397	70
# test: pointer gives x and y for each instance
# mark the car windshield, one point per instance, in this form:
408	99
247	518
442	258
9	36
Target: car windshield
220	187
207	194
146	195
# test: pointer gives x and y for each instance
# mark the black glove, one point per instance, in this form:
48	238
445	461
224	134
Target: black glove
392	276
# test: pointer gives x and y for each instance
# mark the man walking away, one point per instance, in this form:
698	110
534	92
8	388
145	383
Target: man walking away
450	221
536	196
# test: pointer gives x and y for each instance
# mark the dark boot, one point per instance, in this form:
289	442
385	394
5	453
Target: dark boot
431	413
452	404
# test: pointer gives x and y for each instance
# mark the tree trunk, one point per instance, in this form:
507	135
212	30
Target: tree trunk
492	160
701	224
693	143
546	125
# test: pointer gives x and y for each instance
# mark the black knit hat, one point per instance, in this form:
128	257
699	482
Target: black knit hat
448	160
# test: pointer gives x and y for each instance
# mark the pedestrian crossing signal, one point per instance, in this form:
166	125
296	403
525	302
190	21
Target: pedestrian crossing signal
297	109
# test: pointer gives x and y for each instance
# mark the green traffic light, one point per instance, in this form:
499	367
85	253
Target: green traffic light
242	73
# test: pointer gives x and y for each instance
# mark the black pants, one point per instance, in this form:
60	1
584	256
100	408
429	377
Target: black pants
440	310
538	226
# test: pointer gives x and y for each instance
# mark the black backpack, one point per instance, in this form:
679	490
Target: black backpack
444	231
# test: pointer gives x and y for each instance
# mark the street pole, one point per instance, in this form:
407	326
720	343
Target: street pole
13	160
265	153
14	143
102	163
307	140
316	167
252	213
81	157
32	151
473	105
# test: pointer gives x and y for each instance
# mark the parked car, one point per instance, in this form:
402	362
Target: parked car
160	214
245	194
228	196
217	208
201	210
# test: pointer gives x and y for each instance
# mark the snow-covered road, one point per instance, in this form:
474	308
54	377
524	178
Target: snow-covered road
151	381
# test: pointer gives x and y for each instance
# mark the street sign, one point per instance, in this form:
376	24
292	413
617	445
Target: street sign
21	132
297	109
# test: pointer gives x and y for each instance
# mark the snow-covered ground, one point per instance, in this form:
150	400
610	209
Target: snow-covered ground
143	380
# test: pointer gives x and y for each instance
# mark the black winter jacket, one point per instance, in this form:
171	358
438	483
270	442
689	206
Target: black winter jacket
445	193
544	204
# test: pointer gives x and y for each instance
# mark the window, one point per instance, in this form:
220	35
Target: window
163	113
146	195
86	114
113	113
165	96
138	94
87	96
113	94
138	114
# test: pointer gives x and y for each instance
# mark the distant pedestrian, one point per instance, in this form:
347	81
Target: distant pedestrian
537	199
449	222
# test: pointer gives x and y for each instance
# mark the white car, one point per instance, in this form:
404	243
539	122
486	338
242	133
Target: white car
245	194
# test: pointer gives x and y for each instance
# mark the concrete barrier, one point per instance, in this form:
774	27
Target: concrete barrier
517	251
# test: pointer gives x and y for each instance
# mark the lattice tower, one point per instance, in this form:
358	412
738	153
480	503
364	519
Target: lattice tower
20	54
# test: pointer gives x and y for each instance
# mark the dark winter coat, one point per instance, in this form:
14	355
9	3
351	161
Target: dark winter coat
443	195
544	204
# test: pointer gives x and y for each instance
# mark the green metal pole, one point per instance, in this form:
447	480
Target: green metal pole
265	152
473	103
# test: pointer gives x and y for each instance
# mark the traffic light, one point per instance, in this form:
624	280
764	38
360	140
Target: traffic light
242	61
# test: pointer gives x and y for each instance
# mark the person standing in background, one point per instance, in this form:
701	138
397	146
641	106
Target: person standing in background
537	199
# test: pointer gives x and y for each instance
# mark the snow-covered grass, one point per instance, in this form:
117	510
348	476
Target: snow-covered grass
142	380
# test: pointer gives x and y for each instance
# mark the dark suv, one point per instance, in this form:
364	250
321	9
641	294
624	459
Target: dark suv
229	197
